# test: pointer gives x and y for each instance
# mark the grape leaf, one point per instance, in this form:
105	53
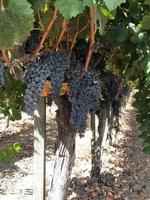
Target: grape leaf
69	8
101	19
89	2
147	2
17	148
113	4
146	22
147	150
16	22
106	13
116	34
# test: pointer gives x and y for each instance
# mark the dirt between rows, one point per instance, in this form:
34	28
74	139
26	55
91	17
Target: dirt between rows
125	173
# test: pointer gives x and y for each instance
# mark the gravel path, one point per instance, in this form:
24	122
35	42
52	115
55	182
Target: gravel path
125	170
125	173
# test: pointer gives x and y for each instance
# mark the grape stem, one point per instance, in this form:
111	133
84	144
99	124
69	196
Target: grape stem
9	64
44	34
75	37
40	21
5	57
63	30
92	38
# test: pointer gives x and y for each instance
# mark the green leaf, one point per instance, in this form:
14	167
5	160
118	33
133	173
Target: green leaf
147	2
101	19
69	8
8	154
15	114
146	22
89	2
117	33
113	4
147	150
106	13
17	148
16	22
139	37
11	97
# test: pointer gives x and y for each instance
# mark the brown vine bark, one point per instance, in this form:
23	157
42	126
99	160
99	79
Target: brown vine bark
5	57
44	34
64	25
75	38
65	153
98	136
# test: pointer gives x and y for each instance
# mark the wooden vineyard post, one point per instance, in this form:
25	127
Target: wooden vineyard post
65	154
39	150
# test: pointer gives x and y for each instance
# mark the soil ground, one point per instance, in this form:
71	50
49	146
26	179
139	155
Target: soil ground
125	171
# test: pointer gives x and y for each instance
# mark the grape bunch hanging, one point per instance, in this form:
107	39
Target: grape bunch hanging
51	67
84	94
58	68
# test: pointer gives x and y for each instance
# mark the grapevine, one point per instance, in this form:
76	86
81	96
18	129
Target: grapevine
84	45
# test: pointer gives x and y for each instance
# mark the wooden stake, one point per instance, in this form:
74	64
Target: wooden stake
39	149
65	153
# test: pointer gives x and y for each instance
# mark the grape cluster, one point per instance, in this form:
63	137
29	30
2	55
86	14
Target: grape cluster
111	93
84	94
52	66
80	50
84	86
32	42
1	73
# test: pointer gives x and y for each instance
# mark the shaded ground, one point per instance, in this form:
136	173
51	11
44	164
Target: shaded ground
125	171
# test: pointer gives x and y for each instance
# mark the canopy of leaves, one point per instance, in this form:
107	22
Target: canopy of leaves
129	37
123	24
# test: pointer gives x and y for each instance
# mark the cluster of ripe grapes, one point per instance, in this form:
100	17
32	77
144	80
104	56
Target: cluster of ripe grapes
84	86
113	91
52	67
84	94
